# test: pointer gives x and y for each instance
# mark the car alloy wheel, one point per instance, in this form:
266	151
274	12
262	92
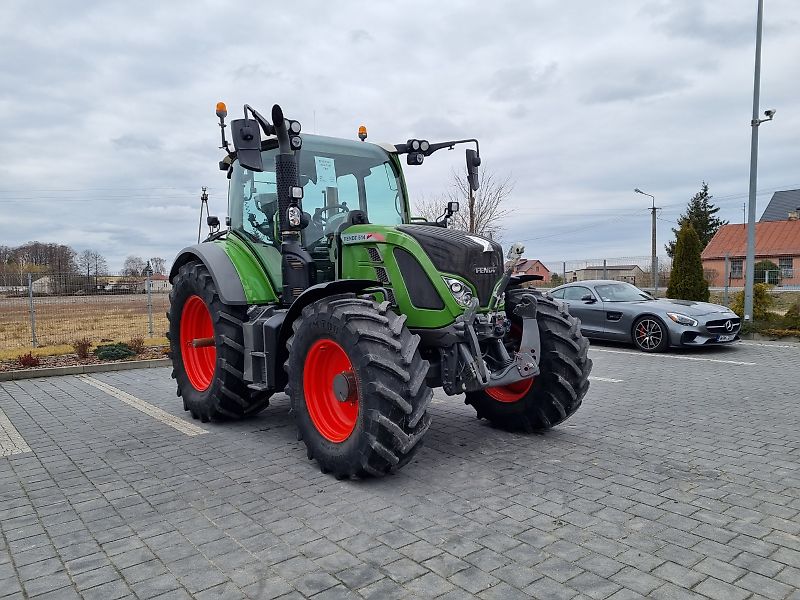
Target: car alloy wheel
648	334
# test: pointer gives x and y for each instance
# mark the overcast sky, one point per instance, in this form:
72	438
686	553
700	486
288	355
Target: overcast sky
107	126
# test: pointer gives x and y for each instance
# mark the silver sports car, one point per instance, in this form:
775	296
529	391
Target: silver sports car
615	310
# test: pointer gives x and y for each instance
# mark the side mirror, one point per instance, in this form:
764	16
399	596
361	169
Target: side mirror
247	141
452	207
588	298
473	162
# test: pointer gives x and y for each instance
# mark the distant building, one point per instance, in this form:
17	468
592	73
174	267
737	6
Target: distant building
43	285
630	273
158	284
776	240
783	206
532	266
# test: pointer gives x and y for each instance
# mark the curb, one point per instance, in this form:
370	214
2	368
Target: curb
79	369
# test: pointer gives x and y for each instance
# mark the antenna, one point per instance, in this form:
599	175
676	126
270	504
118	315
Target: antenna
203	202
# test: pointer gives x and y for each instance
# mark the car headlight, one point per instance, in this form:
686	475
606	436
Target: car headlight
461	293
682	319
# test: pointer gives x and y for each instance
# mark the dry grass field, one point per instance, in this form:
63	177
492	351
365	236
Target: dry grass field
62	319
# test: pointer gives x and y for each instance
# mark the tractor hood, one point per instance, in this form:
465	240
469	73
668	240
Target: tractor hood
474	258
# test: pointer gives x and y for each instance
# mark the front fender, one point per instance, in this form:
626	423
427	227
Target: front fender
226	278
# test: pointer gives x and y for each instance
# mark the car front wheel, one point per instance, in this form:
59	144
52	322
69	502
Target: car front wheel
650	334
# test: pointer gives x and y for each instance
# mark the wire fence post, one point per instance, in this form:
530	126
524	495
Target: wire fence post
149	283
727	280
563	272
605	269
31	310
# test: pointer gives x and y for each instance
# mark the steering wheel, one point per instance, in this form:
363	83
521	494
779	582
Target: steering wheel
320	220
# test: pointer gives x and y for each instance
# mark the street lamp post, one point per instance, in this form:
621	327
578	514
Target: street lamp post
751	205
653	257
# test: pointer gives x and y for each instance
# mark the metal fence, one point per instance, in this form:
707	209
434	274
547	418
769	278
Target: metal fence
59	308
633	269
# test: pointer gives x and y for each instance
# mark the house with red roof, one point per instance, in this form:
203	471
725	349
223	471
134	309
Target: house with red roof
776	241
532	266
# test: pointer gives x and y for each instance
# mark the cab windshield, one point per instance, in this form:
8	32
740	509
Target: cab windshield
337	176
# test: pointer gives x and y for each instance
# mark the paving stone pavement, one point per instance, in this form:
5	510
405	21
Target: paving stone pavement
680	481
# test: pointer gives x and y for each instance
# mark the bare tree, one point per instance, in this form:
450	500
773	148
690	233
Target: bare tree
480	213
159	265
92	262
133	266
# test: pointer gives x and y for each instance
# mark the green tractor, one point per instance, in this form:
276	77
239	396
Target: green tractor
322	285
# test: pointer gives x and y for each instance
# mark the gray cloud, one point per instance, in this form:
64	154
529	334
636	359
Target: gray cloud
131	141
520	83
635	85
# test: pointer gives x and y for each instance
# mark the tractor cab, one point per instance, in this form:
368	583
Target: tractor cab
337	177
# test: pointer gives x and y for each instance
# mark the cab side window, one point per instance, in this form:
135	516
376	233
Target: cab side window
253	201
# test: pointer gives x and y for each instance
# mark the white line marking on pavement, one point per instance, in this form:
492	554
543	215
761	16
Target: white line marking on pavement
606	379
794	346
11	441
145	407
652	355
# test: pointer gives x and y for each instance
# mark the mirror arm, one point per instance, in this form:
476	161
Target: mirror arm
404	149
450	145
265	125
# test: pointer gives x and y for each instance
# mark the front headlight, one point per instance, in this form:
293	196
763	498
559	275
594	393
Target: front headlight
682	319
461	293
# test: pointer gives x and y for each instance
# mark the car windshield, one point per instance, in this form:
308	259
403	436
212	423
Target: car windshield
621	292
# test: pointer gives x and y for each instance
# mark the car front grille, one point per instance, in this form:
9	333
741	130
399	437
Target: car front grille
719	327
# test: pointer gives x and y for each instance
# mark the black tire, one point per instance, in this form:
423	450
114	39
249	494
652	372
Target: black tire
557	392
391	392
654	336
228	395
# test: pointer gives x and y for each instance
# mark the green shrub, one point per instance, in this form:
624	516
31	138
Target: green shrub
686	280
762	302
791	319
114	351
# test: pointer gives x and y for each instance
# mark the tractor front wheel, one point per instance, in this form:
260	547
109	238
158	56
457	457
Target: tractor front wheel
556	393
357	386
207	349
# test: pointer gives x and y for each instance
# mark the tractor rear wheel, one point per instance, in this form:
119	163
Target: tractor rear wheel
357	386
556	393
207	349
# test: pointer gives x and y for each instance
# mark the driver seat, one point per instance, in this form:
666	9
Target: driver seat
354	217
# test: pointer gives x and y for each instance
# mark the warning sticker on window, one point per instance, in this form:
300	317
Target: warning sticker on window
326	171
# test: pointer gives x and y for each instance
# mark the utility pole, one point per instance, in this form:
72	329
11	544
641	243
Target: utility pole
203	202
653	255
751	221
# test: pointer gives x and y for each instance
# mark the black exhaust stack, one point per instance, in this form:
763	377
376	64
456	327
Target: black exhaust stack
298	268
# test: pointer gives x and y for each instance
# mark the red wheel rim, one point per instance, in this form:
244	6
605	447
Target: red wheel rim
198	363
513	392
334	419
